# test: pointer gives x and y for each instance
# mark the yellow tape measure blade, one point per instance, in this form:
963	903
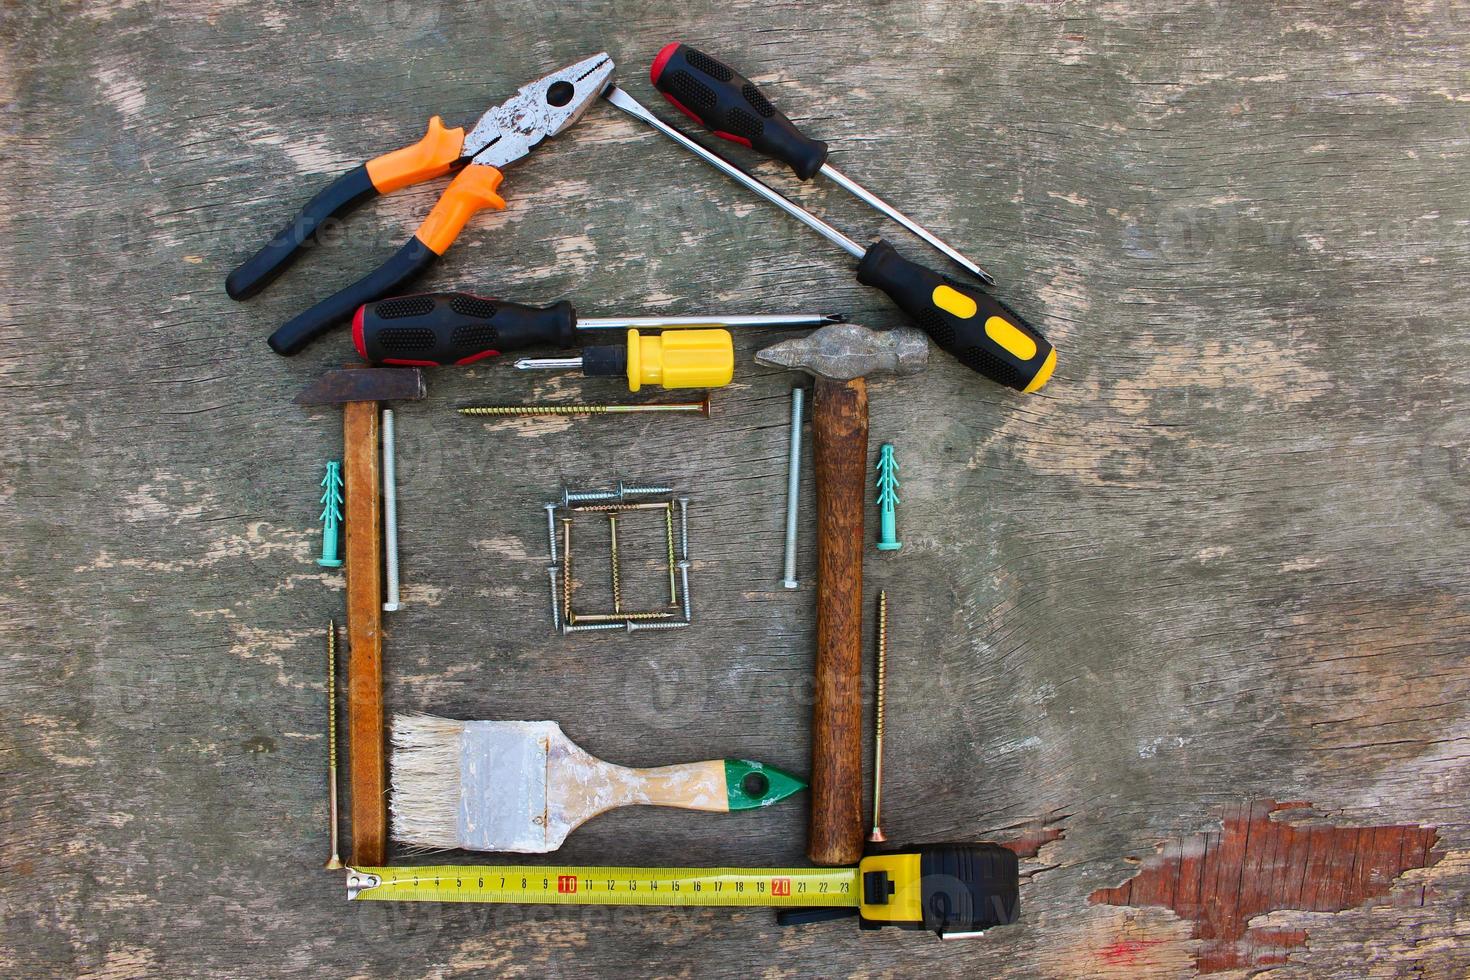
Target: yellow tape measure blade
752	887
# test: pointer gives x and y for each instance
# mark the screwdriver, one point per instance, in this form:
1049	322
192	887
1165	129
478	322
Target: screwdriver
678	359
715	95
428	329
981	332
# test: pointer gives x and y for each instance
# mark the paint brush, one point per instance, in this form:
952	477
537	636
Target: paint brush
523	785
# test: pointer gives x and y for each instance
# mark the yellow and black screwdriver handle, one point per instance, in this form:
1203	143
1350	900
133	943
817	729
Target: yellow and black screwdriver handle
981	332
437	153
953	890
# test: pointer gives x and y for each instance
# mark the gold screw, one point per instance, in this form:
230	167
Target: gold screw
566	571
876	834
335	861
699	407
618	617
669	534
612	529
616	508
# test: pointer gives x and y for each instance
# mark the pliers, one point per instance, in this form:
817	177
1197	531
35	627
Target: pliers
504	134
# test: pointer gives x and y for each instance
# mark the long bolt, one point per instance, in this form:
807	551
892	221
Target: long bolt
612	530
793	488
634	626
551	571
691	408
390	514
569	496
684	528
335	861
590	627
551	529
876	834
669	535
624	490
684	581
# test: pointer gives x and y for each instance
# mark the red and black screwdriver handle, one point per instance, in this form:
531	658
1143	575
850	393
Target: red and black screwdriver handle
429	329
716	96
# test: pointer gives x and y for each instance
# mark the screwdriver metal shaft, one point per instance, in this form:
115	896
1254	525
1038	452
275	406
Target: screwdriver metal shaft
862	194
635	108
681	322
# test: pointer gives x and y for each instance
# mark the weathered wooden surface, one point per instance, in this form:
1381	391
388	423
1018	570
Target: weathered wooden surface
1221	559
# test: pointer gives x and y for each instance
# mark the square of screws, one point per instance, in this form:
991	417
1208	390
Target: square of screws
616	506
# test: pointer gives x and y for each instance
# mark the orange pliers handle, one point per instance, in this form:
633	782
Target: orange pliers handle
436	154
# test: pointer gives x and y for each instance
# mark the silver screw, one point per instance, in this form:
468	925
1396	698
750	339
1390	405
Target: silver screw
793	488
684	528
551	572
590	627
390	514
634	627
637	491
551	529
569	497
684	580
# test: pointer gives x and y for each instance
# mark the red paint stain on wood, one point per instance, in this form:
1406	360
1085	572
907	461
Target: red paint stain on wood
1125	952
1254	865
1032	840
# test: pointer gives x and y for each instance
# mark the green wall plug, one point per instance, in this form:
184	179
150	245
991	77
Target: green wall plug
887	499
331	515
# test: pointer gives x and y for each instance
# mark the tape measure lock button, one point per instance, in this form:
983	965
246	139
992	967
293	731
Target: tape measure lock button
876	888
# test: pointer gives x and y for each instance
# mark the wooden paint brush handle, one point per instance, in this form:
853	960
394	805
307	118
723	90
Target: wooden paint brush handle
689	786
840	454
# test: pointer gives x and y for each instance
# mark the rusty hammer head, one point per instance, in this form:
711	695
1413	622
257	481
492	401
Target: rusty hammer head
365	384
846	351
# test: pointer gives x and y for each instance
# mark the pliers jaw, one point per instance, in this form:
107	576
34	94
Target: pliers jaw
539	110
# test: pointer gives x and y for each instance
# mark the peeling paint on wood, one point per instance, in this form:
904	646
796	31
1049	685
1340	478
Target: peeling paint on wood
1258	864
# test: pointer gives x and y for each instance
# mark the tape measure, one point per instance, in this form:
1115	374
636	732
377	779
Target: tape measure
953	890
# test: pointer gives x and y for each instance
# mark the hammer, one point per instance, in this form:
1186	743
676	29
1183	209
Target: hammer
839	357
358	391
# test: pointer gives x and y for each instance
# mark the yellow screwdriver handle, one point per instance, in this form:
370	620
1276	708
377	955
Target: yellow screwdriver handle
681	359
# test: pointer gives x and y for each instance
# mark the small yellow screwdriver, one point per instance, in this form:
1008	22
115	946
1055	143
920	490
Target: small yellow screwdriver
676	359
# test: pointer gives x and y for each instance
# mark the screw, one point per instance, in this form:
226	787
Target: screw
669	535
390	514
684	580
887	499
634	627
876	834
335	861
551	572
331	515
684	527
610	508
617	592
589	628
699	407
551	529
793	488
636	491
622	617
566	569
569	497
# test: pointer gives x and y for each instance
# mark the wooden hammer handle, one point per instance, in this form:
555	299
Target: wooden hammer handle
840	453
367	767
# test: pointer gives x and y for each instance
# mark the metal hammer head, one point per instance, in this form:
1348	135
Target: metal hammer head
844	351
365	385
